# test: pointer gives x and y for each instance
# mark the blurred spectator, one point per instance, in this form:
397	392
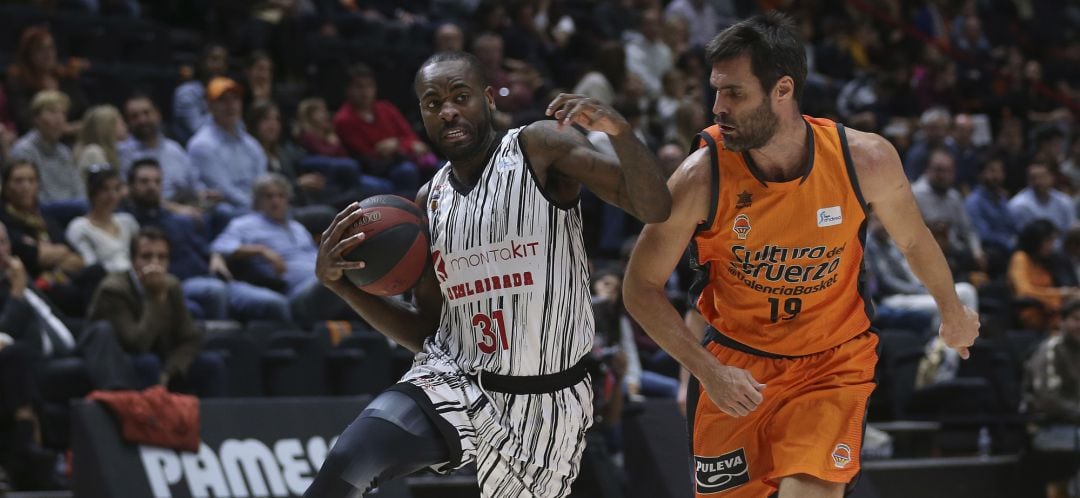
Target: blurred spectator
273	246
1070	165
1070	273
264	123
31	320
898	287
1052	399
969	157
60	178
36	240
227	157
259	79
608	76
101	129
670	156
700	17
527	39
615	333
376	131
181	185
36	69
689	120
1009	146
103	236
1031	277
988	207
314	130
146	309
938	199
30	466
208	285
190	109
647	55
676	35
1041	201
1032	101
674	93
934	129
449	38
511	93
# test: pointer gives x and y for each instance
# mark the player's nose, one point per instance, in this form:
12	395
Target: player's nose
448	113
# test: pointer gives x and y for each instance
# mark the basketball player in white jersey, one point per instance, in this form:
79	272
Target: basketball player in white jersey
503	321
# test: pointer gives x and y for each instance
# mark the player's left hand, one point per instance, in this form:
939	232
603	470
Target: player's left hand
587	112
959	329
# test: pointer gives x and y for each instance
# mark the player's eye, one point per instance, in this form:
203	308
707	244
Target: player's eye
432	104
462	98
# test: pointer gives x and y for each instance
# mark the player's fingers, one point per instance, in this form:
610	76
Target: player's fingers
349	265
733	410
337	218
351	214
579	112
349	243
753	395
964	353
557	103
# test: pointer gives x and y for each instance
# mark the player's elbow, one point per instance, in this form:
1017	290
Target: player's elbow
638	294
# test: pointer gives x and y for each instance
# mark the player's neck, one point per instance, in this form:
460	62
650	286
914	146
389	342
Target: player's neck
467	171
784	156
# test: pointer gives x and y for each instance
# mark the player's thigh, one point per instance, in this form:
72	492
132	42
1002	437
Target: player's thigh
818	430
730	457
805	486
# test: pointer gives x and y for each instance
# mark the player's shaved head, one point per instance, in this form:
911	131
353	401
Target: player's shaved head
470	61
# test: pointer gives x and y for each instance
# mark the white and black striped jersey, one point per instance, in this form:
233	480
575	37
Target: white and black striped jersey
512	268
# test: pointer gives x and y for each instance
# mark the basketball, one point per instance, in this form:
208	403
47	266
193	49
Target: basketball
395	250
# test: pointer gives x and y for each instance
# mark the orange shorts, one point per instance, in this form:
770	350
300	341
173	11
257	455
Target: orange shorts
810	421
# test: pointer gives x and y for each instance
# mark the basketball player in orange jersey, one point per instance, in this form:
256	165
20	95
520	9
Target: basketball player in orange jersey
775	205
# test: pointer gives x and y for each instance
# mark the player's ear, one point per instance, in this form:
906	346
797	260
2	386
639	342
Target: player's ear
489	94
784	88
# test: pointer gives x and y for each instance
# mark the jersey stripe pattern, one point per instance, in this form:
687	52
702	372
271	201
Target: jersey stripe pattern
514	277
512	268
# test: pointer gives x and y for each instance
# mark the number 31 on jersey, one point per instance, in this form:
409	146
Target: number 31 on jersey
493	328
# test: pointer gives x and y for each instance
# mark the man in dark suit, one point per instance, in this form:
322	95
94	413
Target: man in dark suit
36	324
146	308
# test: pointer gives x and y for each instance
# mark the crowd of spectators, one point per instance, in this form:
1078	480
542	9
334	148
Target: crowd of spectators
128	196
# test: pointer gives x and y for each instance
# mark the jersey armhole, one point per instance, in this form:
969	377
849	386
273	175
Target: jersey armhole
565	206
850	166
714	179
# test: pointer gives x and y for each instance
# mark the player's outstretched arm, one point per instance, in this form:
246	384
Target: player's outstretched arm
886	189
406	324
634	182
658	250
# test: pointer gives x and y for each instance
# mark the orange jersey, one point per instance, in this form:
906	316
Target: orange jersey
783	260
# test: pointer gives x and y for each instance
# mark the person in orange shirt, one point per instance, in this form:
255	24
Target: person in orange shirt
775	206
1030	276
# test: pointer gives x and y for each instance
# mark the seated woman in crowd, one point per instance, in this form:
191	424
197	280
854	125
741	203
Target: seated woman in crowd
102	128
39	241
103	235
1031	276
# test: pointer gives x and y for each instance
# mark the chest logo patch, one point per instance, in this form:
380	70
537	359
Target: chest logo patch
742	226
827	217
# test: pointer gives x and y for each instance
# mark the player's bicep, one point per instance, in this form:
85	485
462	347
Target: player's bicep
886	189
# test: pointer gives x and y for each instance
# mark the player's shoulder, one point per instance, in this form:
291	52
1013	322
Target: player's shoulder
870	152
695	172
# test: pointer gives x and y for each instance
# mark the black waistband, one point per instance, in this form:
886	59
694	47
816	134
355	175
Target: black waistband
714	335
534	384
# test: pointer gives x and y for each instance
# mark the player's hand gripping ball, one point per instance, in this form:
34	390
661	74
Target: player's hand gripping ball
395	248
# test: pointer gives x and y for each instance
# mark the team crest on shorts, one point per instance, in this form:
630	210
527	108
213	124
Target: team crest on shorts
721	473
841	456
741	226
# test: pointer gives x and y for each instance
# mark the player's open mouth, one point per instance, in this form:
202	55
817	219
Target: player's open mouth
455	135
726	128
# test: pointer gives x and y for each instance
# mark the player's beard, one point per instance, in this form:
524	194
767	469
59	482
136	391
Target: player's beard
753	130
479	132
